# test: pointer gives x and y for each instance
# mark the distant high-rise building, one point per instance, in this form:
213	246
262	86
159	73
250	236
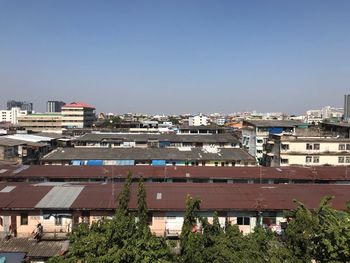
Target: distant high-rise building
346	107
23	105
54	106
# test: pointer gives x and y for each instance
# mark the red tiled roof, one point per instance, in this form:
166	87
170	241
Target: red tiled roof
79	105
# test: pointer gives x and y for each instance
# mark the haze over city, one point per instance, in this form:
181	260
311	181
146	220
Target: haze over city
176	56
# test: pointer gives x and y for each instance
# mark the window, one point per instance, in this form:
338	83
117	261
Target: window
285	161
347	159
348	146
285	146
316	146
58	221
341	147
24	219
308	146
243	221
316	159
340	159
259	141
308	159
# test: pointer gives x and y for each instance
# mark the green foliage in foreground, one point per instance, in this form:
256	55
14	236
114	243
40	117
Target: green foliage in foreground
123	238
321	234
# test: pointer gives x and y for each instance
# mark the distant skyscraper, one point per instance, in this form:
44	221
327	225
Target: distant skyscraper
54	106
346	107
24	105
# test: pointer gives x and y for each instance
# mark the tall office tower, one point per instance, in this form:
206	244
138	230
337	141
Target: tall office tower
346	107
54	106
23	105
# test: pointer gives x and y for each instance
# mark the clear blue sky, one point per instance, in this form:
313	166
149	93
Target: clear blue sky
176	56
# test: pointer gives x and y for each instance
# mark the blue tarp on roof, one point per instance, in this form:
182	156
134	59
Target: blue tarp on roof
76	162
94	162
275	130
158	162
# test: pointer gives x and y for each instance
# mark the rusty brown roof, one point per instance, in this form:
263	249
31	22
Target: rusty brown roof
23	196
75	172
214	196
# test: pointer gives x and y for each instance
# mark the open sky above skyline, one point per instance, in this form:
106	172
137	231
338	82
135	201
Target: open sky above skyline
176	56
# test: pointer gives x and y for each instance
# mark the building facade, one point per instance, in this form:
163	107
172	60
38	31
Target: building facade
77	115
256	132
245	205
41	122
288	150
12	115
198	120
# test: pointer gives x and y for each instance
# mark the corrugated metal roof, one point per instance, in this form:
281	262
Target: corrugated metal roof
29	138
274	123
218	197
7	189
34	249
175	138
224	154
60	197
215	197
74	172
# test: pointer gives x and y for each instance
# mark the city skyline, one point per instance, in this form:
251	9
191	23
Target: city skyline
176	57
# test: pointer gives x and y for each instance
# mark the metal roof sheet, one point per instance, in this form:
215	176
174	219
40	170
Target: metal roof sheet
328	173
42	249
215	197
224	154
29	138
199	138
7	189
60	197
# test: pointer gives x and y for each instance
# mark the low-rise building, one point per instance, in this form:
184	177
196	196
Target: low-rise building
246	205
176	174
210	156
283	150
256	132
20	151
127	140
41	122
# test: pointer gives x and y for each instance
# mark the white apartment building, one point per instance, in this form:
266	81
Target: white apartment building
12	115
256	132
287	150
77	115
198	120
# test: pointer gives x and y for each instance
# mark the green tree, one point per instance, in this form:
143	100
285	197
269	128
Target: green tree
142	210
322	234
120	239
